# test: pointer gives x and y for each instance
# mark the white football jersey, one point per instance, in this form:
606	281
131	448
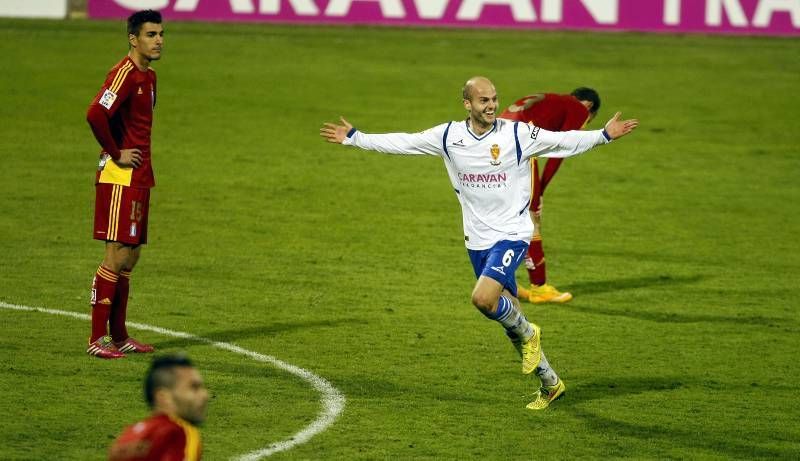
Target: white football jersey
491	173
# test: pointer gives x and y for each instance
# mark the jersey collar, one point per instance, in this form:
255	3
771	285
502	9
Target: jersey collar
479	138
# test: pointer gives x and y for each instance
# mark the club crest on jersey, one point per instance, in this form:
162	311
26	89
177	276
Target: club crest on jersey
140	91
495	151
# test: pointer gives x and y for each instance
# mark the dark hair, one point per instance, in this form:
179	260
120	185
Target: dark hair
162	374
588	94
138	18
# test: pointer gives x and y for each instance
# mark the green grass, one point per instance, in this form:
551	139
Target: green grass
679	243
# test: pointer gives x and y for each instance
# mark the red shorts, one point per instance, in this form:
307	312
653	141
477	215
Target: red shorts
120	213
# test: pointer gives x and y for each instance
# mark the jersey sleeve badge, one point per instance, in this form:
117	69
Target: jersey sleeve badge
108	98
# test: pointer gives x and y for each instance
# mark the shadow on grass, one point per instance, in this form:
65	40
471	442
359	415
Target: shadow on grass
618	389
673	317
615	387
235	335
608	286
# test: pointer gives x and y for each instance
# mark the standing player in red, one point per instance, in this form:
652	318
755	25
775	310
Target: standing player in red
553	112
121	117
175	392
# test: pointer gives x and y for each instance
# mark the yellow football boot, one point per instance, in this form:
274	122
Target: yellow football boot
546	395
547	294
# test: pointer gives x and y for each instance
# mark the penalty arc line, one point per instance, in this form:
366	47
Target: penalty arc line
333	400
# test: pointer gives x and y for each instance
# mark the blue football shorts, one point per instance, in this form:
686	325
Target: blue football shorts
500	262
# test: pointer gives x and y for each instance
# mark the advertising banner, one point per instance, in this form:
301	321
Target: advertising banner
55	9
755	17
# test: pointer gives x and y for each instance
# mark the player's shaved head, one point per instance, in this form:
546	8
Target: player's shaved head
475	85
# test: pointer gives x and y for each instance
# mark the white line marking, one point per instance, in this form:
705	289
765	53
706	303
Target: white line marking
333	401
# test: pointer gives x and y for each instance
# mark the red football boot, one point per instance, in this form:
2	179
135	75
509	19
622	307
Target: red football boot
132	345
104	348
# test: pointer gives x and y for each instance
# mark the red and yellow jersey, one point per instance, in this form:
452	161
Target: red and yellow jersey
121	117
553	112
158	438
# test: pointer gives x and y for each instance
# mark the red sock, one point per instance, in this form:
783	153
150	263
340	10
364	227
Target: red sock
103	287
536	274
119	310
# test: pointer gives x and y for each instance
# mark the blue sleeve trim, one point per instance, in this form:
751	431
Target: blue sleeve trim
524	208
516	140
444	141
351	132
606	135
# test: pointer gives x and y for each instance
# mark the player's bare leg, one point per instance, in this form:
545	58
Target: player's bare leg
499	305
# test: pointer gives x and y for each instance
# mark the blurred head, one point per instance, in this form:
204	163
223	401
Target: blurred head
145	34
589	98
480	100
174	386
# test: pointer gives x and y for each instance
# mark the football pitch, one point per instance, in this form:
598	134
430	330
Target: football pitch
678	242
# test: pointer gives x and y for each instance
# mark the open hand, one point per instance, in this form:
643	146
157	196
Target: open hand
334	132
617	128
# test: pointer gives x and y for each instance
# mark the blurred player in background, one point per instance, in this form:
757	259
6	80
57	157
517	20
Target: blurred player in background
177	396
553	112
488	162
121	117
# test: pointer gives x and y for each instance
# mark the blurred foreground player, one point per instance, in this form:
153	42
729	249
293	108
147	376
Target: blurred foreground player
175	392
488	162
554	112
121	117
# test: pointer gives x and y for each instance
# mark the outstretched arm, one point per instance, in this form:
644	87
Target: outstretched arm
428	142
561	144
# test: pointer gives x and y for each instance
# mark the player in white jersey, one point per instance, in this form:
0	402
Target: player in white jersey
488	161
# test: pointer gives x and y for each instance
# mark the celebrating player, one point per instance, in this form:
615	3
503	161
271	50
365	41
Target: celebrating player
121	117
488	162
554	112
175	392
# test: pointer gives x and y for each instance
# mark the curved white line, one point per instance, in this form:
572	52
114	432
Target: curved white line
332	400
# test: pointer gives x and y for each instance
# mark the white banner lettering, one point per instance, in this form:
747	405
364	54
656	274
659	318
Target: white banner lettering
237	6
301	7
389	8
603	11
732	7
672	12
142	4
521	10
766	8
431	9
